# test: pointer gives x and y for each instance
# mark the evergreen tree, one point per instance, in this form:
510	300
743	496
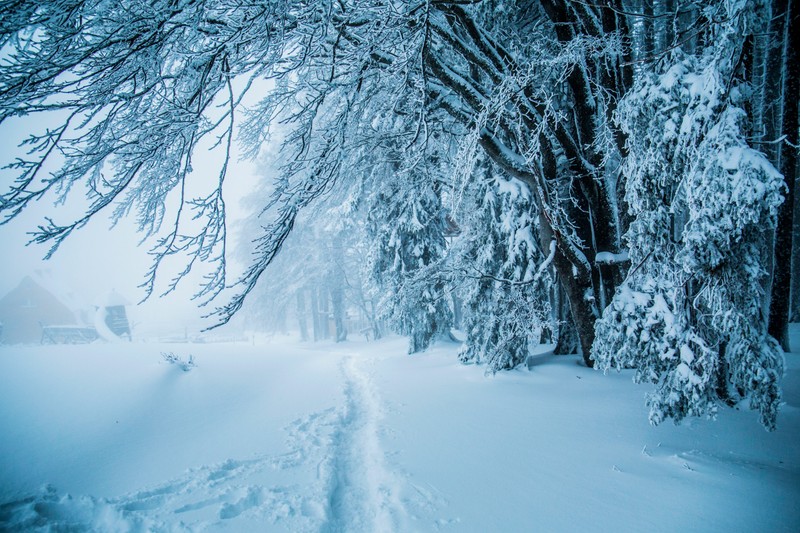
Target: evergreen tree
505	273
690	316
406	227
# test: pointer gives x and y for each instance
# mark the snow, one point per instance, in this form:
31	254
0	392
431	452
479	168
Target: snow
360	437
610	258
547	260
103	331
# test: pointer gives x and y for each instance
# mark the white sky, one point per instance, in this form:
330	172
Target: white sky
97	258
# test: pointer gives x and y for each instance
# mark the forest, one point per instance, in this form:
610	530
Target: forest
616	177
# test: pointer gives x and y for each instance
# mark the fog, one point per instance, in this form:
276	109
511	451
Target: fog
103	256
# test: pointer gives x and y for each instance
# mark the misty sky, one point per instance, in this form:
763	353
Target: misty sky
98	258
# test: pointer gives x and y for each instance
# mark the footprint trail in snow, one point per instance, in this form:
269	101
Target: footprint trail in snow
363	495
334	477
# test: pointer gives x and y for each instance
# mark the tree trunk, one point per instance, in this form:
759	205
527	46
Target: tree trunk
458	313
315	315
567	342
787	160
579	296
336	282
375	321
794	310
301	315
648	29
337	306
322	313
667	33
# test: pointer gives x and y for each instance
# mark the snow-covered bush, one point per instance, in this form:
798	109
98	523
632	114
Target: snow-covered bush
178	361
689	316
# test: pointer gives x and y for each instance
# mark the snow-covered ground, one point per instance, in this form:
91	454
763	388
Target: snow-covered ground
359	437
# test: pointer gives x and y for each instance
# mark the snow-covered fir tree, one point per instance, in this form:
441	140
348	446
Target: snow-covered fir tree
406	226
504	274
690	316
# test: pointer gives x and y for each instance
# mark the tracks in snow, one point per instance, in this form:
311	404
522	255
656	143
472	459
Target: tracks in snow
363	495
333	478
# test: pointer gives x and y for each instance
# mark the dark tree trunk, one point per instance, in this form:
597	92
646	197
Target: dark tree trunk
787	159
576	297
567	335
667	33
648	30
794	309
582	309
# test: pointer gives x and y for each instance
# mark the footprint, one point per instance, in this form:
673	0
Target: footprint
196	506
145	504
254	496
225	470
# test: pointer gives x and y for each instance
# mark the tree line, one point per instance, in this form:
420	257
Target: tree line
616	176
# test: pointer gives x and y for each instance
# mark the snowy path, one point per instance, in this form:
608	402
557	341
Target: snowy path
333	477
362	493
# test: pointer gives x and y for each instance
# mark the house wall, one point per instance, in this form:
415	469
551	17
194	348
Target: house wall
27	308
